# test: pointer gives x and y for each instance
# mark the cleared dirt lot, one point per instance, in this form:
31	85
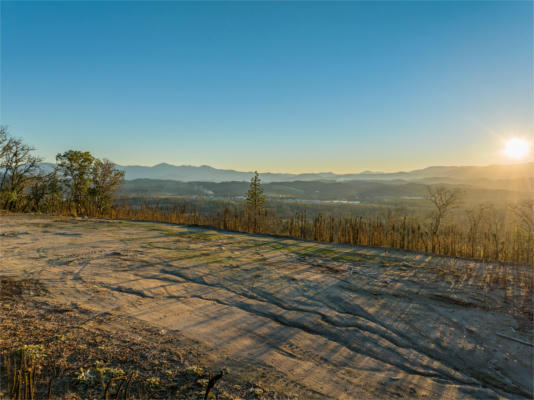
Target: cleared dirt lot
307	319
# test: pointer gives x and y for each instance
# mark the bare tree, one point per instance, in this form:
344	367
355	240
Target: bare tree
475	218
495	219
18	166
524	212
444	201
4	144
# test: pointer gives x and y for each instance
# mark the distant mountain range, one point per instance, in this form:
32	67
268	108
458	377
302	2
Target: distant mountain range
513	176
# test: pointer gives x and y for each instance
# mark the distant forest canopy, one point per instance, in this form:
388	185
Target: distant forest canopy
364	191
452	220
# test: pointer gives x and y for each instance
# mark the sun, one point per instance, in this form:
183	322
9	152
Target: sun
517	148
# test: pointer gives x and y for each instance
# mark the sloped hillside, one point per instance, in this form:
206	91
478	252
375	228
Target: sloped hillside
305	319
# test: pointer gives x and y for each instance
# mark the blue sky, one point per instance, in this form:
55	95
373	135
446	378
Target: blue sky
274	86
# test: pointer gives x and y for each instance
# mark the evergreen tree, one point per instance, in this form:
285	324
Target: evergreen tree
255	202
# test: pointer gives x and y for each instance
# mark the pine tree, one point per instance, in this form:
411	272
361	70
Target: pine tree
255	202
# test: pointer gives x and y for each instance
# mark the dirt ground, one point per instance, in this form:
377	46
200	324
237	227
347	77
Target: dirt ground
303	319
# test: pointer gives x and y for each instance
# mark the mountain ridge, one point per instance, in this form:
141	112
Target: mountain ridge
206	173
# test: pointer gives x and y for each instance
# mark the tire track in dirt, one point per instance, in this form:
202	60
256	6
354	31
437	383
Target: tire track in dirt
325	333
297	291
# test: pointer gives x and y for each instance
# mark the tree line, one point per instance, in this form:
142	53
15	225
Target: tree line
81	184
78	184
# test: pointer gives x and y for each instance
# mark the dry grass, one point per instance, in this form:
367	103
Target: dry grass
514	283
504	243
61	352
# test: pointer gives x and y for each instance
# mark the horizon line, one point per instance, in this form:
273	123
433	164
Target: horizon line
365	171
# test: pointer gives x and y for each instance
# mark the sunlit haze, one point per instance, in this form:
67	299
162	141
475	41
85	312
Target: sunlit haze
517	148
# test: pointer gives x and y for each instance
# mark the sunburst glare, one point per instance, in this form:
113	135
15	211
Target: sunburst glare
517	148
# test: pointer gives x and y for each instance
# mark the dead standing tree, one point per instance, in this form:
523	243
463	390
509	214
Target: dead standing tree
524	214
18	167
444	201
475	218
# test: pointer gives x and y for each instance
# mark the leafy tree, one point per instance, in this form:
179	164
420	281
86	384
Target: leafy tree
45	194
105	181
75	171
18	166
255	202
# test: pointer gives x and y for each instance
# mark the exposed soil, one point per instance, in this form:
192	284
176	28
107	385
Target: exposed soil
153	363
296	318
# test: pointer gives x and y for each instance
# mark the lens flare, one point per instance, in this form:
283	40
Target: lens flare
517	148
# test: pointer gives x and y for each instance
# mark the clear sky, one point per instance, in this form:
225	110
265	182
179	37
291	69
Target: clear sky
273	86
